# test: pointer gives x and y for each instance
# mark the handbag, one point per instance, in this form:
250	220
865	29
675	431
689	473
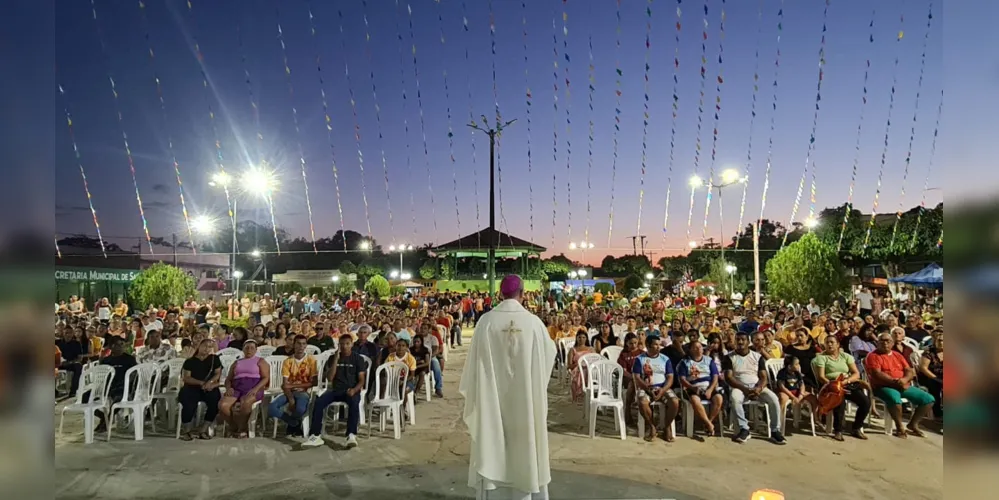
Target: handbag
831	395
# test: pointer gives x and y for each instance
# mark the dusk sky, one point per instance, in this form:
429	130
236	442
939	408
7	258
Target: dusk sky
83	71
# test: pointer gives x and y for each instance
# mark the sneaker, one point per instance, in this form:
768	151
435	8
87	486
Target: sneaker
313	441
777	438
742	436
351	441
439	394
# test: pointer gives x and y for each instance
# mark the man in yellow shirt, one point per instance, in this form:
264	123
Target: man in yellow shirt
598	298
121	309
300	375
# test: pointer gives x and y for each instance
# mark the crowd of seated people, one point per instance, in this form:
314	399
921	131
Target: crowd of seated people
716	358
416	336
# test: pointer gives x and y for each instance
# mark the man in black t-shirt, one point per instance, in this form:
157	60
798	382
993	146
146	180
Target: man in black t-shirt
121	361
71	350
323	341
347	377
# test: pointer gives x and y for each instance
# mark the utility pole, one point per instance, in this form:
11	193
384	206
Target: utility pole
494	132
634	244
174	244
756	261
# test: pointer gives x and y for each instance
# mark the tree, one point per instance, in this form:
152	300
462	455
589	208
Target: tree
604	288
632	283
348	267
342	288
808	268
723	280
161	285
378	286
428	270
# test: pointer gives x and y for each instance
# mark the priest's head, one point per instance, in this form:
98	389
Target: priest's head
511	287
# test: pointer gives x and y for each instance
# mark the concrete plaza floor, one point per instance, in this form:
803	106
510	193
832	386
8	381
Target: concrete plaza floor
431	460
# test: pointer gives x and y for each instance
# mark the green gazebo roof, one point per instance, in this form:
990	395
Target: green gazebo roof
477	245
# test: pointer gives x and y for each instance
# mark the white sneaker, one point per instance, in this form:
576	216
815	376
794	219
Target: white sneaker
313	441
351	441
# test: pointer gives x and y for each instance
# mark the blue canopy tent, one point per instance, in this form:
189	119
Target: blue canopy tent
930	276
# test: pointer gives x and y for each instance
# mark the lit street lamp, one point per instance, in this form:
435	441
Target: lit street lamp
236	275
203	225
731	269
365	245
728	177
405	276
401	248
811	223
335	278
255	253
394	274
649	276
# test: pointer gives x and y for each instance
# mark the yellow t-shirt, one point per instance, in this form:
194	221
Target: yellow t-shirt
785	336
598	297
297	371
121	310
818	334
408	359
775	350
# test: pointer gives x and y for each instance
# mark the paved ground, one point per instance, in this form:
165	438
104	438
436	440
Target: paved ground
431	462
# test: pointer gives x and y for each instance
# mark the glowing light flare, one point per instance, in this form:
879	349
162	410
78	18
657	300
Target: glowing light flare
695	181
203	225
258	181
731	176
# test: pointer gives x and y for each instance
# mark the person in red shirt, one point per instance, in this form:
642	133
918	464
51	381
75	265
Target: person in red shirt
700	301
891	377
444	319
353	304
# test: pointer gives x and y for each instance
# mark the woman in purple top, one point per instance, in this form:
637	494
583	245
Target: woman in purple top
244	386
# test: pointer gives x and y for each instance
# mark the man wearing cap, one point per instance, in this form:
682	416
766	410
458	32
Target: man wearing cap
505	385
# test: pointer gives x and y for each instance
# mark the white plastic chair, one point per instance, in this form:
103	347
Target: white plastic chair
612	352
265	351
312	350
661	406
99	386
443	331
231	351
137	398
912	343
274	387
391	402
174	368
227	361
605	390
584	362
565	345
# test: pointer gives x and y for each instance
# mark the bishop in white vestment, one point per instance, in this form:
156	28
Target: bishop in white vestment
505	386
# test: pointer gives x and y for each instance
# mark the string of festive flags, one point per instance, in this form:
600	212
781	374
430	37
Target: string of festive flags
471	120
423	127
328	123
378	116
676	108
83	173
254	107
773	118
912	130
405	120
528	96
884	151
357	123
645	110
591	88
752	118
554	130
617	121
498	118
700	114
568	121
219	158
55	239
169	137
121	127
929	169
714	134
860	127
450	130
815	123
298	132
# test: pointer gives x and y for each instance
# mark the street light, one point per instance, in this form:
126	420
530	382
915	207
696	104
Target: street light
220	179
727	177
365	245
731	269
256	253
258	181
581	273
203	225
394	274
692	244
401	248
649	276
335	278
237	274
811	223
405	276
573	274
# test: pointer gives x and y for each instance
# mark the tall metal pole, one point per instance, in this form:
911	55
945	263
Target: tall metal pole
232	257
173	241
721	222
491	264
756	260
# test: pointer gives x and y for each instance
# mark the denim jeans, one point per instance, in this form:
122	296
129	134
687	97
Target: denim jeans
736	398
276	408
435	367
329	397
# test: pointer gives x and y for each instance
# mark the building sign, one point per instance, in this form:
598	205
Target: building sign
95	274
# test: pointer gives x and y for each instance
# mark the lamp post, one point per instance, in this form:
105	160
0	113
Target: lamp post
402	248
256	181
729	177
237	274
493	133
731	269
